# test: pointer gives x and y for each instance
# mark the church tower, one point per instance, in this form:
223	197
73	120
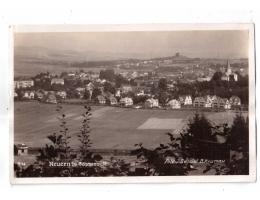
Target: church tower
228	70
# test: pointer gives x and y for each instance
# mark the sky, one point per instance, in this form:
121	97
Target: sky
140	44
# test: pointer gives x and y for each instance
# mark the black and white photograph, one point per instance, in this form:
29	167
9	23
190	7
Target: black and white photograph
123	103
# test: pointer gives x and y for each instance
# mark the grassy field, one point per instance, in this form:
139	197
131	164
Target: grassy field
111	128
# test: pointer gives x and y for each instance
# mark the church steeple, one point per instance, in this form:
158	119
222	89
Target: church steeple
228	70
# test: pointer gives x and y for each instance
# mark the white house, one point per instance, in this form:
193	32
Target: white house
227	105
112	100
23	83
28	95
39	95
59	81
185	100
140	93
126	101
51	98
22	149
101	99
235	101
126	88
61	94
174	104
118	93
188	100
152	103
209	100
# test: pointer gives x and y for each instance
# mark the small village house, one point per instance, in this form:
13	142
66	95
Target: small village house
209	100
199	102
23	84
127	101
21	149
185	100
118	93
61	94
80	92
101	99
151	103
174	104
112	100
188	100
140	93
227	105
235	101
204	79
58	81
126	88
51	98
28	95
39	95
218	103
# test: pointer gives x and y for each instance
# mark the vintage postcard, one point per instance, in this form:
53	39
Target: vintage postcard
132	103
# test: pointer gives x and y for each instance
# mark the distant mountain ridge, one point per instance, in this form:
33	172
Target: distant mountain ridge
39	54
29	60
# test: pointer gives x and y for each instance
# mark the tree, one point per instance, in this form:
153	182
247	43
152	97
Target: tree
108	87
139	99
164	160
119	80
163	97
162	85
84	133
239	134
86	94
197	136
217	76
95	93
107	74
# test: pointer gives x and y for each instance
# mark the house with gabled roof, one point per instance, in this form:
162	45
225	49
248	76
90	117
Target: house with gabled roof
23	83
199	102
28	95
218	103
112	100
21	149
209	100
227	104
235	101
101	99
50	98
185	100
152	103
61	94
58	81
174	104
126	101
126	88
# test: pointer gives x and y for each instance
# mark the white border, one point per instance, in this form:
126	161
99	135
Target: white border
145	27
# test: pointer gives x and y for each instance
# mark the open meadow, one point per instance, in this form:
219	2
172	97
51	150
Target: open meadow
111	127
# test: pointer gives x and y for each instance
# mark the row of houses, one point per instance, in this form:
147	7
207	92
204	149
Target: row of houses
206	102
45	96
27	83
111	100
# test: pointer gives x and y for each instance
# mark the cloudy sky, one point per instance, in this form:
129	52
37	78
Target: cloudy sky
204	44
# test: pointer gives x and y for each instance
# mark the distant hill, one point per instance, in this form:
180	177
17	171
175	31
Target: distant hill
32	60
